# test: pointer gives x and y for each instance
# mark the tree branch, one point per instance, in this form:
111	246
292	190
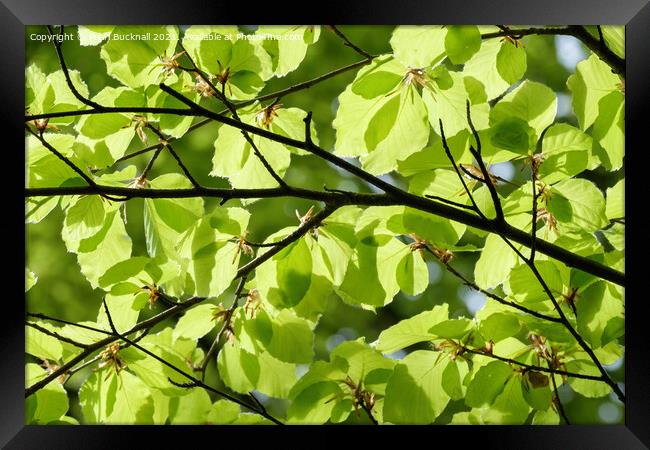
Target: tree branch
165	143
55	335
476	152
359	50
214	348
352	198
197	382
533	367
595	45
145	324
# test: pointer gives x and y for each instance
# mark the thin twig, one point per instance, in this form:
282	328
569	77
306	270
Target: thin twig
476	152
558	402
533	367
213	351
55	335
145	324
197	382
357	49
165	143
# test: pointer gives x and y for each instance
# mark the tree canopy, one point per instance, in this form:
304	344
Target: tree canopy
323	224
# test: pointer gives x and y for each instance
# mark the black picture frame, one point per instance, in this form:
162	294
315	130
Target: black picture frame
16	14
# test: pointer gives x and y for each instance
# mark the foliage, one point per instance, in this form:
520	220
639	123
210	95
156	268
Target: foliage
199	323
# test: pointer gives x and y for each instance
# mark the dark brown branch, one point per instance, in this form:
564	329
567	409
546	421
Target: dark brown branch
214	348
594	44
423	204
149	165
501	300
558	402
69	163
313	222
233	110
165	143
171	139
196	382
66	73
368	412
66	322
445	146
55	335
533	367
531	264
145	324
476	152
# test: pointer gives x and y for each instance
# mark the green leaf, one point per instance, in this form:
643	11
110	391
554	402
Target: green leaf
93	34
51	93
412	274
461	42
30	279
371	275
531	102
537	390
131	60
166	219
196	322
407	43
395	131
614	38
413	393
44	169
497	65
449	104
452	329
38	208
291	338
83	219
453	377
124	270
588	388
192	408
592	81
609	130
511	62
578	205
514	134
499	326
524	287
242	371
213	260
615	202
109	246
115	399
376	84
285	278
495	262
566	153
124	312
363	362
47	404
597	308
42	345
509	407
217	49
412	330
488	383
287	45
223	412
235	159
548	417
